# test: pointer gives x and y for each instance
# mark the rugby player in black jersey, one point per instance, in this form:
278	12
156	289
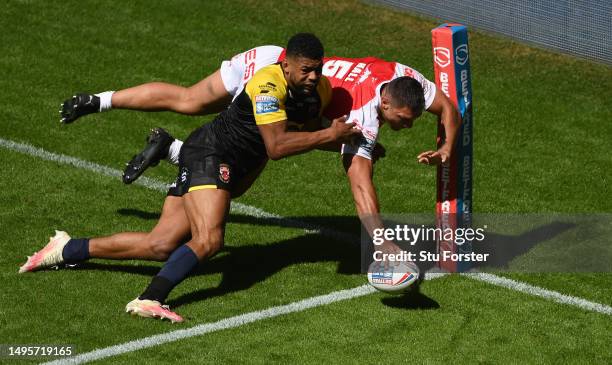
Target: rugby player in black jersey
218	162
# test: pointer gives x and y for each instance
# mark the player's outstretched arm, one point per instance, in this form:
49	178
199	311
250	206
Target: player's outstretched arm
451	120
207	96
359	171
281	143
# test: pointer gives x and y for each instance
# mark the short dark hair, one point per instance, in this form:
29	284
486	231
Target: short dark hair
406	91
305	45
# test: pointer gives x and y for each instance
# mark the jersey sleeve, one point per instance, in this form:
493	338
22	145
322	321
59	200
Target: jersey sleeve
267	94
236	72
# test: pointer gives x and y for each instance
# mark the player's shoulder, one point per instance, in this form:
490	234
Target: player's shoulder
270	72
268	78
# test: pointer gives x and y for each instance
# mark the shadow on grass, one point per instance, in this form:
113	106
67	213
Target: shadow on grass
244	266
139	213
411	300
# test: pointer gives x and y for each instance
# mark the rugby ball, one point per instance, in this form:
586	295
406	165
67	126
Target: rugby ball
394	278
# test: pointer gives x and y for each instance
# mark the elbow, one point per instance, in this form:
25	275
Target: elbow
274	153
274	157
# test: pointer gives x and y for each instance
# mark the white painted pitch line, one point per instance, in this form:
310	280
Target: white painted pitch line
154	184
309	228
223	324
541	292
271	312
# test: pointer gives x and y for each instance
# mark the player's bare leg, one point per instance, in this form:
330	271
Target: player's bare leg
207	211
207	96
171	231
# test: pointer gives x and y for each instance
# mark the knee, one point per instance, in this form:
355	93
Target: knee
207	244
160	248
191	103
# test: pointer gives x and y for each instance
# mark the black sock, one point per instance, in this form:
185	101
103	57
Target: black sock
175	270
158	289
76	250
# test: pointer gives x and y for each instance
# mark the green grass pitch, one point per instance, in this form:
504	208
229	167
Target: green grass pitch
541	144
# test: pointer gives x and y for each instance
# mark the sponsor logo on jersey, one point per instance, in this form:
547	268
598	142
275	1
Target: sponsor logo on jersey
442	56
224	173
267	87
266	104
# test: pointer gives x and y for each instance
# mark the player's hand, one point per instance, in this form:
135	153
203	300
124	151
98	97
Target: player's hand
77	106
378	152
344	132
389	247
433	157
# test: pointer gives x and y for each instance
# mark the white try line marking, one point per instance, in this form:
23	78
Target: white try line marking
274	311
541	292
223	324
154	184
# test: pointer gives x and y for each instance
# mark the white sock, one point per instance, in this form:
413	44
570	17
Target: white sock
106	100
173	153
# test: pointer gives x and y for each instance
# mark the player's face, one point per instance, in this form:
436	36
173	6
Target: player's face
398	118
302	74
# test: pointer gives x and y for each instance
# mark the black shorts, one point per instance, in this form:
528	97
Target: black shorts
206	164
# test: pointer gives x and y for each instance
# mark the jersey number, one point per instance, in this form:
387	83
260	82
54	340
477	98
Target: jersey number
337	68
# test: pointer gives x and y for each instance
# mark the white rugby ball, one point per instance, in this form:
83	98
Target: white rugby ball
393	278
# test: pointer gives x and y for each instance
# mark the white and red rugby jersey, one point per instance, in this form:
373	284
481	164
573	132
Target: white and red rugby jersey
356	84
236	72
